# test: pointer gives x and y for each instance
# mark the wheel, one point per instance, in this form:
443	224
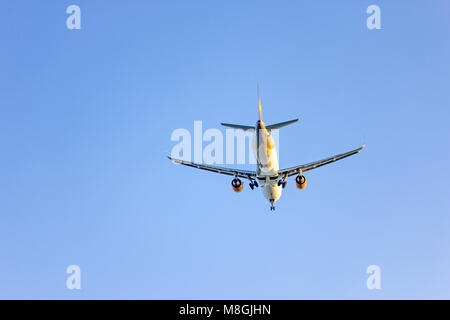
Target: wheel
251	185
255	183
284	184
280	182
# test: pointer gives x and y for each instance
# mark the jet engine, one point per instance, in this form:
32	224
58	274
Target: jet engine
300	181
237	185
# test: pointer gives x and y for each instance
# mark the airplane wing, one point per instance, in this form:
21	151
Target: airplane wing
231	172
309	166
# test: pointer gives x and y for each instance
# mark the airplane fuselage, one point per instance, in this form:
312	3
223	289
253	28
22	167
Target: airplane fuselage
267	162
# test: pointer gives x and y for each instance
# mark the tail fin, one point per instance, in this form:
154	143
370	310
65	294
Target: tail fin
259	104
281	124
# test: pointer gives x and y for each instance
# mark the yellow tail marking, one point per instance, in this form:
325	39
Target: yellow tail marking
259	104
260	113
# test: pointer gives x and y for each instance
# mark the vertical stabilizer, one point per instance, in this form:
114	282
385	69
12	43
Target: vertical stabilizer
259	104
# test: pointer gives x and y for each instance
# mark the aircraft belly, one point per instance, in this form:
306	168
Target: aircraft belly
272	192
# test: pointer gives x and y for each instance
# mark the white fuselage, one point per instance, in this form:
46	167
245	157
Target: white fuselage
267	162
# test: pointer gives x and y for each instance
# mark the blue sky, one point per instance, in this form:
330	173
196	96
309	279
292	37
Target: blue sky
85	125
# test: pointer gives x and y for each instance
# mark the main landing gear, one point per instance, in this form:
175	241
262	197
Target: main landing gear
282	183
253	184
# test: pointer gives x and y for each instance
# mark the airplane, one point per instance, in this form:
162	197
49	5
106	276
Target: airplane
267	174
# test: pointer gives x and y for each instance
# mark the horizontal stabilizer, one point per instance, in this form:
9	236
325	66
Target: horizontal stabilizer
281	124
238	126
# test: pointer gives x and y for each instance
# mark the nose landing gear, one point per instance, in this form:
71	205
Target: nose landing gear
272	207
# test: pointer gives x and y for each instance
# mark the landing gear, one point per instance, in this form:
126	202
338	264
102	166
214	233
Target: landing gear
283	180
282	183
272	207
253	184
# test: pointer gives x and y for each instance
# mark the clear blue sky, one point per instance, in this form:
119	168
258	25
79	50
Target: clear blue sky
85	124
